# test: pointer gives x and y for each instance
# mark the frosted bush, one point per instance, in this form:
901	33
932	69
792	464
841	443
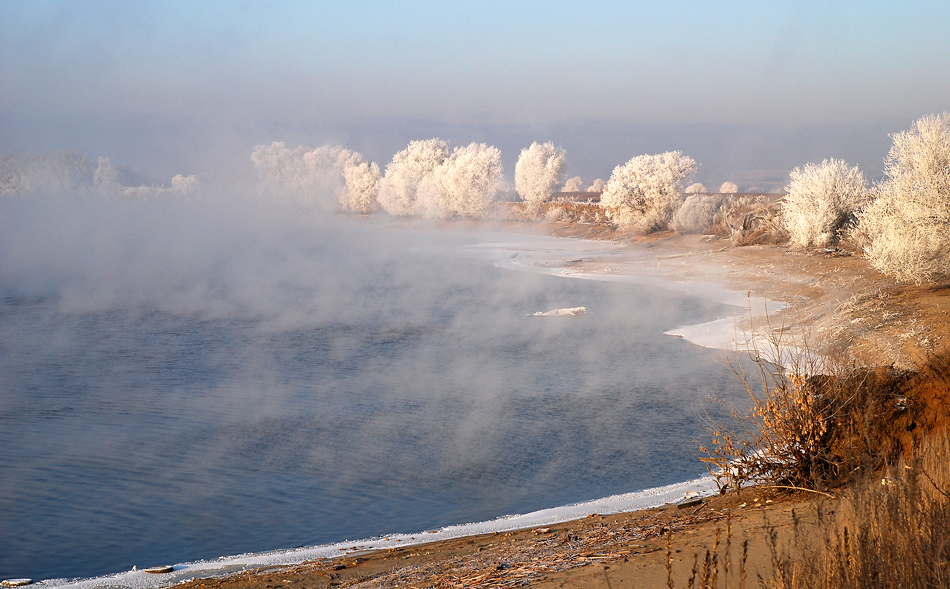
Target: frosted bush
644	192
399	187
318	177
822	199
464	185
574	184
728	188
538	173
908	224
696	213
597	186
696	188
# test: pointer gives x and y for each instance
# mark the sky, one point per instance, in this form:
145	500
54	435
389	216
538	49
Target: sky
169	87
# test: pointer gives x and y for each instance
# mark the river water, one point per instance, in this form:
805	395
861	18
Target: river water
177	386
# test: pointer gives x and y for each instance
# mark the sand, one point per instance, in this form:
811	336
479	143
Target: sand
623	550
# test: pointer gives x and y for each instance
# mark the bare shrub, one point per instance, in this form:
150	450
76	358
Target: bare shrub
908	224
811	430
576	213
644	192
822	201
554	214
538	173
696	213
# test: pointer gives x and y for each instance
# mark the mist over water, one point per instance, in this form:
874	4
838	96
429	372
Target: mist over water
186	378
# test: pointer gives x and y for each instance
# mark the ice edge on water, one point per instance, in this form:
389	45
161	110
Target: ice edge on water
626	502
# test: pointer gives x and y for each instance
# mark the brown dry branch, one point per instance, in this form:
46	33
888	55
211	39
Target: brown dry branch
817	423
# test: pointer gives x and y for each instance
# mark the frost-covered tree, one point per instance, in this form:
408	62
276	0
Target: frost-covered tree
360	186
56	173
574	184
644	192
597	186
728	188
822	199
538	173
399	187
66	172
908	224
696	213
318	177
464	185
696	188
184	184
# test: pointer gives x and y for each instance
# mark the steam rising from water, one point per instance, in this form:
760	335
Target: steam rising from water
184	378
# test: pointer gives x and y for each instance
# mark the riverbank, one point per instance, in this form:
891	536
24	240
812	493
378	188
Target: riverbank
836	301
614	551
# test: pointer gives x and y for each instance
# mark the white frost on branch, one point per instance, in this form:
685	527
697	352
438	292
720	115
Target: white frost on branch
66	172
399	187
538	173
597	186
728	188
696	213
321	177
428	180
822	199
574	184
908	223
463	186
644	192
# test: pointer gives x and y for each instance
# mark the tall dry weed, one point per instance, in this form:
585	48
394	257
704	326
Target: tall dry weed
886	531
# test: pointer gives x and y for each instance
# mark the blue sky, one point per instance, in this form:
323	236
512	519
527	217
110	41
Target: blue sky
601	78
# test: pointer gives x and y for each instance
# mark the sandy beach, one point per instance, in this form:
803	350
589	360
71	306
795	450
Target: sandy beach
622	550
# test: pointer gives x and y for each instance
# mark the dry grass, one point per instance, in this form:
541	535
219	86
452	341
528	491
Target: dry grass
887	531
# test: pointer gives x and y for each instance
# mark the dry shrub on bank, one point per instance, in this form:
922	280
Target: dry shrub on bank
584	213
750	220
819	431
887	531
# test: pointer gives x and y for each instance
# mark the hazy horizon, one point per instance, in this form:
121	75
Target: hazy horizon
168	88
